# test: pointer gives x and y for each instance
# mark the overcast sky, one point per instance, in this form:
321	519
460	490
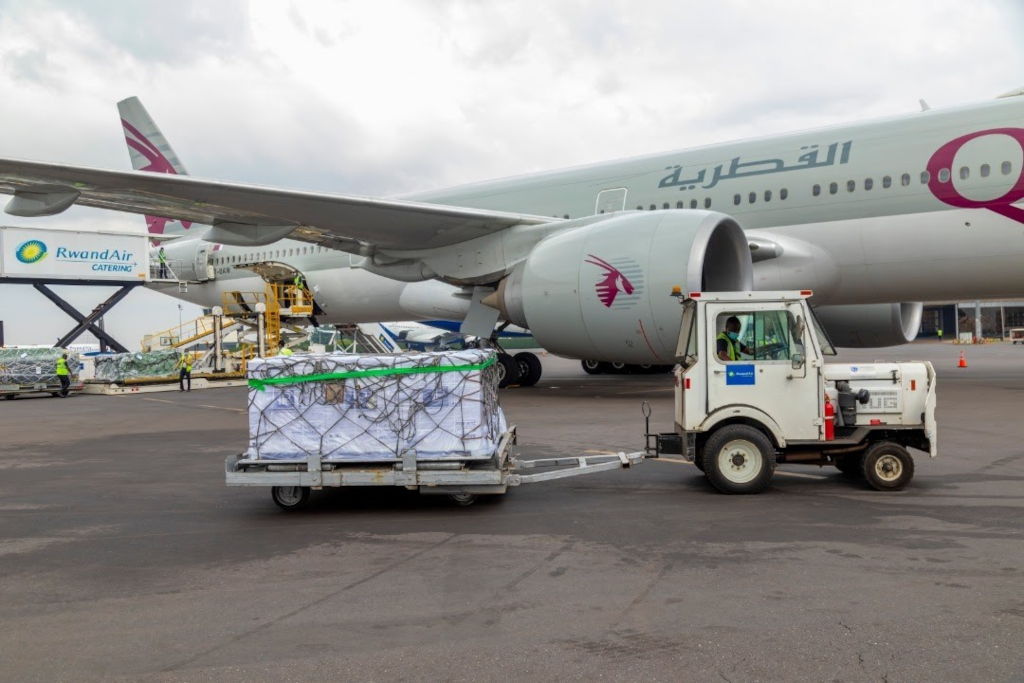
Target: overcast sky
382	98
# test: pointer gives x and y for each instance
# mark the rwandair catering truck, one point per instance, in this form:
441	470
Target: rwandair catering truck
28	254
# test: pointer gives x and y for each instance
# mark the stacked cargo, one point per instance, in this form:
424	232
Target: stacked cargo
33	368
140	366
375	408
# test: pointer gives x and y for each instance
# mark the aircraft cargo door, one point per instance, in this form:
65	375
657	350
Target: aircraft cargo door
610	201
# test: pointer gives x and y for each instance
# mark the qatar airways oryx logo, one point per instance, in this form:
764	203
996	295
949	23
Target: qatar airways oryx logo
158	163
620	281
940	181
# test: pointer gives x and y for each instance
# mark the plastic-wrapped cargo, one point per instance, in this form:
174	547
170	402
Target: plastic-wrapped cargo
30	367
141	365
374	408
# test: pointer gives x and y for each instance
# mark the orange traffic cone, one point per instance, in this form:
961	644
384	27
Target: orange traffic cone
962	363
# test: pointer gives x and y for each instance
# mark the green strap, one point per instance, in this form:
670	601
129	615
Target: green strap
262	384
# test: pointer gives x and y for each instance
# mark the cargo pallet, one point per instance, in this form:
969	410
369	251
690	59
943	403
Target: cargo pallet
10	391
462	481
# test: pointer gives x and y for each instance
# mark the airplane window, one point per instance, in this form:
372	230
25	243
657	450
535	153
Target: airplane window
601	211
752	197
964	173
816	190
925	177
886	182
693	203
833	188
680	204
944	175
665	205
707	202
639	207
783	193
565	216
653	207
767	195
1006	168
736	199
905	179
984	170
851	185
868	183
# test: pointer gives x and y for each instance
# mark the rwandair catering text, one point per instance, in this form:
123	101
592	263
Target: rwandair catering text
72	254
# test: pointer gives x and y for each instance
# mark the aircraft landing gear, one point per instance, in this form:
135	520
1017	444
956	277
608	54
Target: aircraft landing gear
508	370
530	368
596	367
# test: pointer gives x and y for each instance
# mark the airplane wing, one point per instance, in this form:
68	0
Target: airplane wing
251	214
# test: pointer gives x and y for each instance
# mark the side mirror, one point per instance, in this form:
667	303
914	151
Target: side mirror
798	361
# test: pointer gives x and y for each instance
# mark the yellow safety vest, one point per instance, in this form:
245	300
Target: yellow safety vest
62	367
186	364
734	353
285	352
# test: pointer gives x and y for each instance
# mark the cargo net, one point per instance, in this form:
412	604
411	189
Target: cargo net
30	367
373	408
138	366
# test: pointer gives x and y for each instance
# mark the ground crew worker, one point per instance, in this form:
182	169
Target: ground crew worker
186	372
728	341
300	286
162	257
285	351
64	375
939	332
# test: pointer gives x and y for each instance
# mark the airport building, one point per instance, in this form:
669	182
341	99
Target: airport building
997	318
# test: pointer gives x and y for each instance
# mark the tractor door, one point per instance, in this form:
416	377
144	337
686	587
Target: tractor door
771	365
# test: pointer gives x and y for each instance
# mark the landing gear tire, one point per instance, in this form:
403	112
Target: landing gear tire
530	368
642	369
888	466
851	466
594	367
739	459
462	499
508	371
290	498
9	397
618	367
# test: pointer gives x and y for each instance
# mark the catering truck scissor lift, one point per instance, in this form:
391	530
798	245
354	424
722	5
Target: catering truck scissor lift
773	399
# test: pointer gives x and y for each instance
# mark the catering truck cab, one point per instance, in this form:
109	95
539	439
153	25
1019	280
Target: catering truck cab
752	389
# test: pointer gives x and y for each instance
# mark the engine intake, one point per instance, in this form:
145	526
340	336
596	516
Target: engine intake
602	291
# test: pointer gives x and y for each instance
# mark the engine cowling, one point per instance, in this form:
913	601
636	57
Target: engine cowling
871	325
603	291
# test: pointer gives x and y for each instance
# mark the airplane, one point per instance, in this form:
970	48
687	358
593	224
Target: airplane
874	217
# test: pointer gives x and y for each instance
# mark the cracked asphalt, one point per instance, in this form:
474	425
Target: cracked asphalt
124	556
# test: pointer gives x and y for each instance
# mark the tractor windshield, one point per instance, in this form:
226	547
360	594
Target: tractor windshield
686	352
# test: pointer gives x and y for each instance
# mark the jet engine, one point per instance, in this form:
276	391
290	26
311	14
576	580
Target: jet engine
871	325
603	291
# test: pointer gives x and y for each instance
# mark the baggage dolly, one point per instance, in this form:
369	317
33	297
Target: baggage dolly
290	482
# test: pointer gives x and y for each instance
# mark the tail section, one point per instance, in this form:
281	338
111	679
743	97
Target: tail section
150	151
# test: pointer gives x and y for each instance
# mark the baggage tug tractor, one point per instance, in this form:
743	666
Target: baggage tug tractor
752	390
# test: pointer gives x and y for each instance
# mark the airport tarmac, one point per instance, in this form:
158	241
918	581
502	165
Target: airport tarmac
124	556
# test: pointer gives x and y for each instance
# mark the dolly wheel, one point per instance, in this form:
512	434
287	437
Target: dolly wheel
888	466
739	459
290	497
462	499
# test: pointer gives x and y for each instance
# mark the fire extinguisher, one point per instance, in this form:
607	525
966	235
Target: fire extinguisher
830	419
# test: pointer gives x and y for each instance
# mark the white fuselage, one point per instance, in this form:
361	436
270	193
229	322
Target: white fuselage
855	209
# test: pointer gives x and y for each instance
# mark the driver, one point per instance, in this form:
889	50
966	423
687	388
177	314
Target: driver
728	341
